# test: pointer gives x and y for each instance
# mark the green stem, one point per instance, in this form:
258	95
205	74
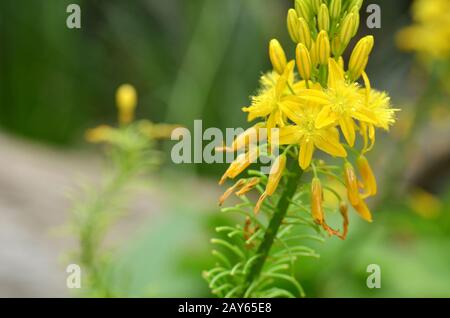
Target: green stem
275	223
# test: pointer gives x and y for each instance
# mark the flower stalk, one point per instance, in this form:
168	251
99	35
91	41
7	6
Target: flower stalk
274	225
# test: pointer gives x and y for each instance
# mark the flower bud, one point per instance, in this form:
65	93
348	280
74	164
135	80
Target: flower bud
336	47
347	30
277	56
313	54
126	100
351	183
360	57
303	9
323	18
335	9
316	201
367	176
357	21
304	64
293	25
323	47
304	33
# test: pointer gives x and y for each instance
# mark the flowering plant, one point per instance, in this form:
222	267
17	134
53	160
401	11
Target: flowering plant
306	104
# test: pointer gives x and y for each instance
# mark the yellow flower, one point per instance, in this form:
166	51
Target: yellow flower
276	172
306	134
99	134
379	103
430	34
342	103
273	101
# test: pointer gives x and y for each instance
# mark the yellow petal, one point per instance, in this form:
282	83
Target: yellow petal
328	143
348	129
364	114
335	74
363	211
306	153
368	177
314	95
262	110
291	107
276	172
290	135
284	78
325	118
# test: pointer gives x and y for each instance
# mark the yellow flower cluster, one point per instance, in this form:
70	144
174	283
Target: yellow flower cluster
312	107
430	33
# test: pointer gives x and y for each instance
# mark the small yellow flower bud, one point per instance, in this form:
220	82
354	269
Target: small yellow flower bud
126	100
313	54
304	64
360	57
336	46
277	56
316	201
303	9
323	18
304	33
323	47
367	176
276	172
357	21
292	25
335	9
347	30
351	183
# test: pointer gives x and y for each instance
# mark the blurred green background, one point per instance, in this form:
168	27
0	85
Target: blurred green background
201	59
